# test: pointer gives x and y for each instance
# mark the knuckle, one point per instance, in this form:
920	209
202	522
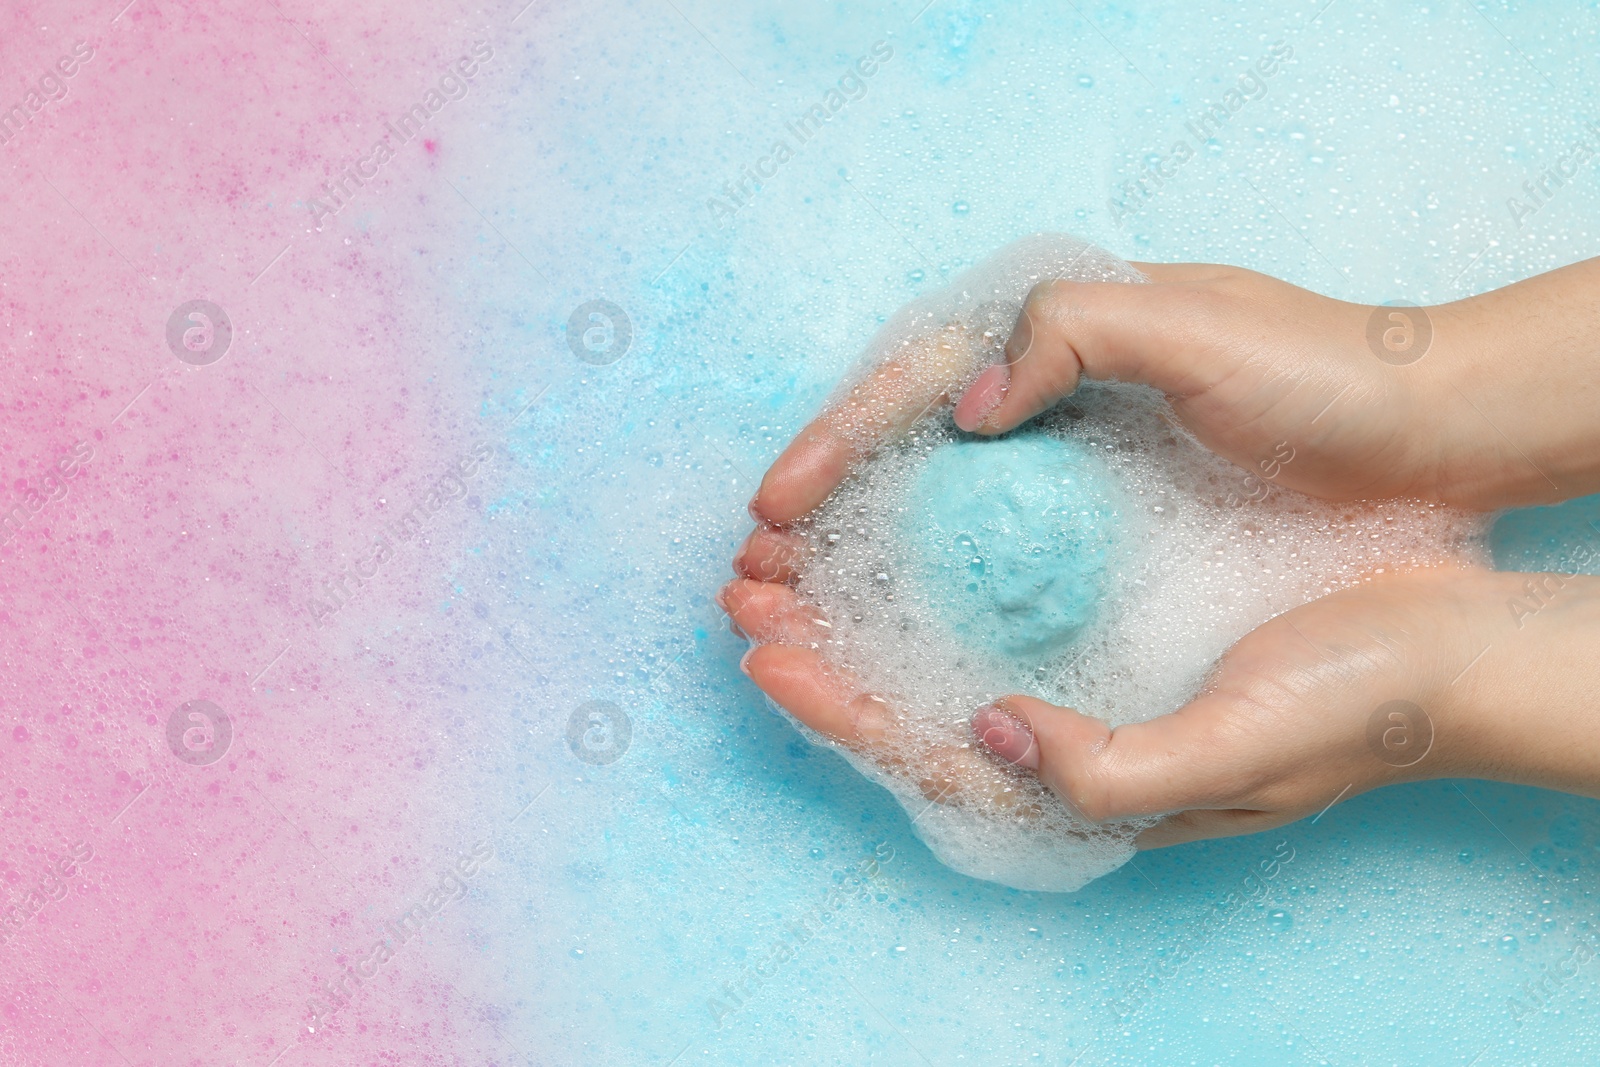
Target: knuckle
1077	775
1045	292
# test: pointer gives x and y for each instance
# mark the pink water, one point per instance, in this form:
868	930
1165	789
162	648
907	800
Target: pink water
203	907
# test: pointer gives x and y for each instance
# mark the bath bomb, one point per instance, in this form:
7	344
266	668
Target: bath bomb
1011	538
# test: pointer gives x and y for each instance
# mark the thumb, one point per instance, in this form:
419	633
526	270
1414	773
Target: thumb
1188	759
1134	332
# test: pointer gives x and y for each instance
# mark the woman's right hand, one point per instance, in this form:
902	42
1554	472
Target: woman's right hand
1273	377
1285	383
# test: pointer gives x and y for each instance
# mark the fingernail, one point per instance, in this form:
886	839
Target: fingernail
871	717
751	508
1006	736
744	660
983	396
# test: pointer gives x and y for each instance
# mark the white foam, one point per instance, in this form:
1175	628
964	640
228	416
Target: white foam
1206	554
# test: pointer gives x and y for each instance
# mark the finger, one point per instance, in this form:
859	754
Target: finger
817	694
1201	825
878	410
771	555
829	701
1191	758
1100	330
766	612
1169	273
834	703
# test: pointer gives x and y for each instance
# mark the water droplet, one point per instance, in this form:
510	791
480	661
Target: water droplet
960	207
1508	944
1465	855
1086	81
916	276
1279	920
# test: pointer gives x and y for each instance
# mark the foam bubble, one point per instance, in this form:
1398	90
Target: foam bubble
1101	558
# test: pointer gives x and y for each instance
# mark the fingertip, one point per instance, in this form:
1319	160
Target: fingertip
762	664
737	563
744	555
802	477
787	675
982	397
803	684
1007	735
771	554
728	598
1064	747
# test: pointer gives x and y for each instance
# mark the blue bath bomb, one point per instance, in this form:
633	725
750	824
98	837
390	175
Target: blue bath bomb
1011	539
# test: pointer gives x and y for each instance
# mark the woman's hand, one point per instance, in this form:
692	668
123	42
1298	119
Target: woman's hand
1493	407
1273	377
1435	673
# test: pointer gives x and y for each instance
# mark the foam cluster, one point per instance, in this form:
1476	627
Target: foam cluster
1100	558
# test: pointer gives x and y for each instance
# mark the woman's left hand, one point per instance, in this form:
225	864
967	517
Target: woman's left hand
1432	673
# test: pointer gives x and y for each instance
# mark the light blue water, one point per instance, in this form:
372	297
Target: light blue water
724	893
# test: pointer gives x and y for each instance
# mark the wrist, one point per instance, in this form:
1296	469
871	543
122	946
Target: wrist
1505	395
1515	692
1474	466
